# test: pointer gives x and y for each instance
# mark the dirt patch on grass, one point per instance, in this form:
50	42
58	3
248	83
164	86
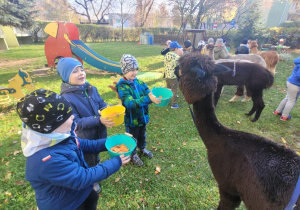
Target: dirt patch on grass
9	63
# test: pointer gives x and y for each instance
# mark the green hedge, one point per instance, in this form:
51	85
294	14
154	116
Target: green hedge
98	33
290	24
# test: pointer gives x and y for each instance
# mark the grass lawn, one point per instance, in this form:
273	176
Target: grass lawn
185	180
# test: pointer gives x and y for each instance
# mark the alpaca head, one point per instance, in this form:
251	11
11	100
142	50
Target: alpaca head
197	78
252	44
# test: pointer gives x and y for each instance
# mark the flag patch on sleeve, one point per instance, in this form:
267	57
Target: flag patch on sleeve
46	158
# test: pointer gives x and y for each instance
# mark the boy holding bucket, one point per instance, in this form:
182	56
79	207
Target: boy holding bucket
85	102
55	166
135	96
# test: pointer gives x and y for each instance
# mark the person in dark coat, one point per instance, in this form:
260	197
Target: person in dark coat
187	47
86	103
243	48
167	49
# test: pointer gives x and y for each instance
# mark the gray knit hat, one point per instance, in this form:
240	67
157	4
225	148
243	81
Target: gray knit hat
128	63
219	42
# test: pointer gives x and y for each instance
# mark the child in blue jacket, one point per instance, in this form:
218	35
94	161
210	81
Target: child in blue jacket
293	92
86	103
135	96
55	165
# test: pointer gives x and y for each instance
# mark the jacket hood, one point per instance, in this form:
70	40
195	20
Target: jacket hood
297	61
122	80
32	141
218	49
67	88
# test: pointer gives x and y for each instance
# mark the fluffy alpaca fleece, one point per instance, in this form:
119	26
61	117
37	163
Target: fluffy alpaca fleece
255	77
247	167
271	57
243	58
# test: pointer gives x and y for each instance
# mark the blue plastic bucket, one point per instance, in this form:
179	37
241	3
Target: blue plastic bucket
118	140
164	94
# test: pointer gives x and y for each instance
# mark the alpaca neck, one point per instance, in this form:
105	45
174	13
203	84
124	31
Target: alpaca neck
206	121
254	50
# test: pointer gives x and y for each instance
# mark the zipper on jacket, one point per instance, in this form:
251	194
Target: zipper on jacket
142	106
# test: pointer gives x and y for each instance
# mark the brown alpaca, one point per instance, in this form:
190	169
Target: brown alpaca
271	57
247	167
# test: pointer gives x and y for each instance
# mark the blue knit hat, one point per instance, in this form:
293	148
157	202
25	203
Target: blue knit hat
65	67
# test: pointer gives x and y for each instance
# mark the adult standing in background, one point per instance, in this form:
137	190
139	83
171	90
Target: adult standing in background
187	46
167	49
243	48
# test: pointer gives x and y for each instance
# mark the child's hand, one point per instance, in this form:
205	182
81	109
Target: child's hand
107	122
124	159
154	99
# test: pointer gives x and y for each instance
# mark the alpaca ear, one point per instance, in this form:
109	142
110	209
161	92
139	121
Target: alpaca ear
200	73
220	69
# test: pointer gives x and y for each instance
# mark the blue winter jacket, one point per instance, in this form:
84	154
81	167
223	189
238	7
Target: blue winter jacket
295	77
86	101
58	173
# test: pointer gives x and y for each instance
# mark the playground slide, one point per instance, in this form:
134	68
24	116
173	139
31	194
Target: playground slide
91	57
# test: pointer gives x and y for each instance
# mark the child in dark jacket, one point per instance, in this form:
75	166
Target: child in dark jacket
55	165
86	103
135	96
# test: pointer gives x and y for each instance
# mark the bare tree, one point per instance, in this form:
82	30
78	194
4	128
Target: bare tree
182	6
143	9
49	11
92	8
100	8
82	7
161	16
193	11
124	17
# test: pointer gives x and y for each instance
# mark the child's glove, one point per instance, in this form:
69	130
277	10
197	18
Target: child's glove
153	98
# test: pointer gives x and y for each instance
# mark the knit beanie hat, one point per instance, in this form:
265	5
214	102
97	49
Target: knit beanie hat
187	43
210	41
128	63
219	42
65	67
44	110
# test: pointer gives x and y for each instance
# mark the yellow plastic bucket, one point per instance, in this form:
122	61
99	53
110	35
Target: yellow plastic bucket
116	113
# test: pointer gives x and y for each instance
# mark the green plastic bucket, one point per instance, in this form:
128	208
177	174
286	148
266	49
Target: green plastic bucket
164	94
118	140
